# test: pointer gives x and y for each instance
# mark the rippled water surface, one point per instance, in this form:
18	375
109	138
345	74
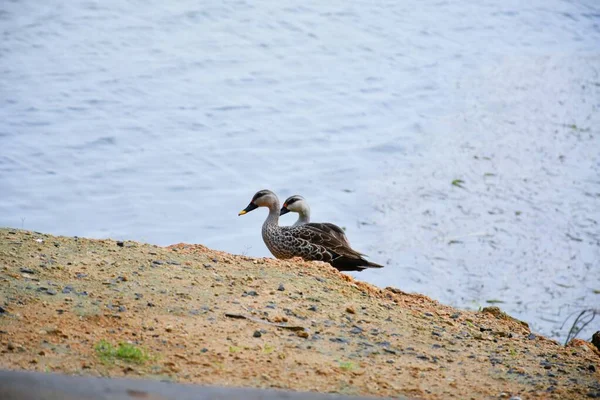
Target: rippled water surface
157	121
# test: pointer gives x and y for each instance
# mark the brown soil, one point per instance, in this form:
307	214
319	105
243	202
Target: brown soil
197	312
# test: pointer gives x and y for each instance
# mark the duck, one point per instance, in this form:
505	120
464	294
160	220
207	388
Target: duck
310	241
298	204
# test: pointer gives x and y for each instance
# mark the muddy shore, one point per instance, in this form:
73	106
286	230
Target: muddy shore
186	313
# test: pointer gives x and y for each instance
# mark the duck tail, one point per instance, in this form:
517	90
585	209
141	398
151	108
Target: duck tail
353	264
373	265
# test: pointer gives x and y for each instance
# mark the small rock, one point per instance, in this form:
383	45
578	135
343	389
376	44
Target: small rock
302	334
27	271
338	340
2	310
591	368
257	334
250	293
531	336
150	304
435	333
428	314
203	350
350	310
67	289
120	243
122	309
515	398
390	361
10	346
157	262
455	315
207	266
51	292
596	340
281	288
312	308
356	330
169	328
80	275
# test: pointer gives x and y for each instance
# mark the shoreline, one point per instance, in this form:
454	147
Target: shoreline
298	326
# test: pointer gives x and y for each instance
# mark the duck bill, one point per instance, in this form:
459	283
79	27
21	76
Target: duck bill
246	210
284	210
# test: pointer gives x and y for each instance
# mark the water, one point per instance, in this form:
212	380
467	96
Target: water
157	121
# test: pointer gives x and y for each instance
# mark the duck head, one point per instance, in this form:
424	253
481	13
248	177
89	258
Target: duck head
295	203
262	198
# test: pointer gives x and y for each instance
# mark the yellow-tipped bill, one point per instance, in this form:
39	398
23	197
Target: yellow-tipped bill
250	207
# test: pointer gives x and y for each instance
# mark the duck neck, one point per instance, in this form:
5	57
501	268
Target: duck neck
273	217
303	215
303	218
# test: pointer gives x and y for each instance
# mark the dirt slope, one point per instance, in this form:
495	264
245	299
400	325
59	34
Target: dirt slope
210	317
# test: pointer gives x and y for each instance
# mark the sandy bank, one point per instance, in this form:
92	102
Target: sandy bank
190	314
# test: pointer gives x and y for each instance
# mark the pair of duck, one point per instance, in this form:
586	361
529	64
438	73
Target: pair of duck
311	241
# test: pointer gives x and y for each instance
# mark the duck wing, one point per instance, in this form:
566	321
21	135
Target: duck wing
316	242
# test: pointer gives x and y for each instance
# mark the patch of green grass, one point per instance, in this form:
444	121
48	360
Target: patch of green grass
458	183
124	351
347	365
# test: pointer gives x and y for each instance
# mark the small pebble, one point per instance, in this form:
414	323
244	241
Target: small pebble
356	330
257	334
390	361
120	243
281	288
350	310
27	271
312	308
338	340
2	310
531	336
302	334
455	315
203	350
51	292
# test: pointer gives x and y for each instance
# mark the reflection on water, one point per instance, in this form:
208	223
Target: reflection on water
158	121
